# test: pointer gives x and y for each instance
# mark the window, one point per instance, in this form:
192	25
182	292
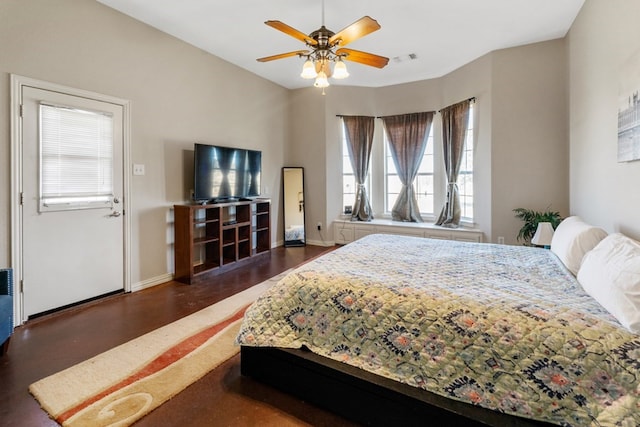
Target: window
424	184
348	178
76	155
428	182
465	176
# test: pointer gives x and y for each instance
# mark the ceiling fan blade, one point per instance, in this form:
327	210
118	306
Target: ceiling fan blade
281	26
283	55
363	57
360	28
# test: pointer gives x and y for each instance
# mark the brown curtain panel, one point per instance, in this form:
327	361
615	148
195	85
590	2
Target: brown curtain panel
359	135
407	135
455	120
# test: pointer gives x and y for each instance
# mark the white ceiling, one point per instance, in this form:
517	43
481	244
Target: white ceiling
443	34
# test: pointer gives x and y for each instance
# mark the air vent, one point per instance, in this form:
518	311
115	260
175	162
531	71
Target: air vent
403	58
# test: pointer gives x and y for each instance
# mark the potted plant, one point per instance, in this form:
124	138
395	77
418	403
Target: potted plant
531	219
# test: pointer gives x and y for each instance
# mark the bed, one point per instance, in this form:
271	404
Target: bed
458	332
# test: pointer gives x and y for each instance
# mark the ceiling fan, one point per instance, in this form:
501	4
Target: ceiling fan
325	46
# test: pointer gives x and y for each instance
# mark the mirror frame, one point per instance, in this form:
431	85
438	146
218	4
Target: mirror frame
295	205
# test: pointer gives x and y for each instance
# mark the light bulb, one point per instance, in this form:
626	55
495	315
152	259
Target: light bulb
321	80
340	70
308	70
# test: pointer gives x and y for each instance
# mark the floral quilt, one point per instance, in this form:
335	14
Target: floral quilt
503	327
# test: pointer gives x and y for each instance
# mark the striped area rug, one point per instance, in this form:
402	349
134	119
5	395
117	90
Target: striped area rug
121	385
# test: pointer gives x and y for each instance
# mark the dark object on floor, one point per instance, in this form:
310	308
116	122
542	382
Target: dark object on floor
362	396
6	309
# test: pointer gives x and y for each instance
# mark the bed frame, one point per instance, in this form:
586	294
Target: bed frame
362	396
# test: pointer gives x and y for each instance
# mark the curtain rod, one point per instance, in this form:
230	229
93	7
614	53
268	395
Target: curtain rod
351	115
380	117
472	99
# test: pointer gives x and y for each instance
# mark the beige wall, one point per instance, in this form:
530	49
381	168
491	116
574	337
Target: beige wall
529	154
307	148
603	38
179	95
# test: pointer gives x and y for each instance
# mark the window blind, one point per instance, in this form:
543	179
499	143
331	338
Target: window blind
76	157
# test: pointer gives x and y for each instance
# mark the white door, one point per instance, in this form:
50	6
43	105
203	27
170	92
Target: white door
72	199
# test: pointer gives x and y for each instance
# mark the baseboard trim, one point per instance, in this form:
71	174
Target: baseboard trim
320	243
149	283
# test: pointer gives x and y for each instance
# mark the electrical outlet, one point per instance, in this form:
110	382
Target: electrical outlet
138	169
501	240
319	226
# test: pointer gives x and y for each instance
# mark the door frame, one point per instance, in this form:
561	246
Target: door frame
17	84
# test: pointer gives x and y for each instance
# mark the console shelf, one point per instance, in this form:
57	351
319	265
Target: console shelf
209	239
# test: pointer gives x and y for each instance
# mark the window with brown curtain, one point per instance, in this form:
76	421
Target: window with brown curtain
407	135
455	120
432	179
358	131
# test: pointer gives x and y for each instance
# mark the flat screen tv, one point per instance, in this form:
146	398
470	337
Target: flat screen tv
225	173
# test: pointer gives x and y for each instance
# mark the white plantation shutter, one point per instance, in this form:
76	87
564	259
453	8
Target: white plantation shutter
76	158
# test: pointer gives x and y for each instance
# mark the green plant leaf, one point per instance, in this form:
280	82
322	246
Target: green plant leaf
531	218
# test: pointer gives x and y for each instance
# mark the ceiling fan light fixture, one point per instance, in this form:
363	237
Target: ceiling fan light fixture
324	47
308	70
340	70
321	80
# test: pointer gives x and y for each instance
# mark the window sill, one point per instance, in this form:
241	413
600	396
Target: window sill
386	220
346	231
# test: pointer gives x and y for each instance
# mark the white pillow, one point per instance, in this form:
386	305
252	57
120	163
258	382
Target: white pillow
572	239
610	273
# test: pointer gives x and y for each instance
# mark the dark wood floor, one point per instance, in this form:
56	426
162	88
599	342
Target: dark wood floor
49	344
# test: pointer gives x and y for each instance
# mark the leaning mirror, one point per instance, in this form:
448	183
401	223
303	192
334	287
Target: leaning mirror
293	201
